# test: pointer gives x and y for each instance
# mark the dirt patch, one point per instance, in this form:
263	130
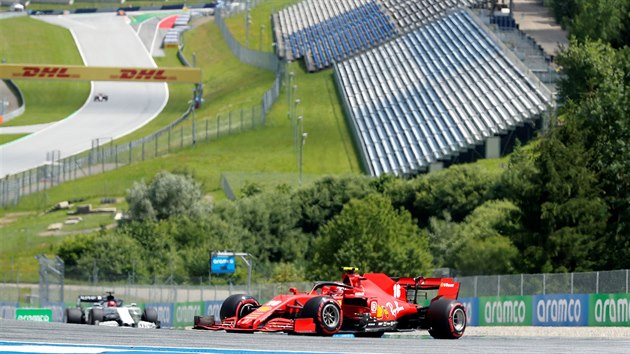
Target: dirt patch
74	232
11	217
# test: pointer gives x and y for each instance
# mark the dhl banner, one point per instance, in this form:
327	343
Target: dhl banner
96	73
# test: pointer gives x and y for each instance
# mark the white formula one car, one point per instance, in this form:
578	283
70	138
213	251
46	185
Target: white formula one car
109	311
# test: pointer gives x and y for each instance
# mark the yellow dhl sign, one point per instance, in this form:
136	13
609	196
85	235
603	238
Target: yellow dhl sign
99	73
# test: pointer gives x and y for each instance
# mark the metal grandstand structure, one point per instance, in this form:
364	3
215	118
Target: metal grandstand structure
422	81
434	93
323	32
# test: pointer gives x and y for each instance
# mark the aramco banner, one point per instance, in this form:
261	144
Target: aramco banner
95	73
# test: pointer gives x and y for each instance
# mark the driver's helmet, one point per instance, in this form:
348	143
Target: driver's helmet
111	303
335	290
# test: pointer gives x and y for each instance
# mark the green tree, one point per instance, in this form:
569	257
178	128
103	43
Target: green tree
562	211
167	195
587	67
457	190
564	11
482	242
112	257
601	20
370	234
326	197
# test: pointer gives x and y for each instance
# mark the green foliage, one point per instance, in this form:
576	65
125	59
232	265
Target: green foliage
482	242
168	195
587	67
287	272
371	234
457	190
564	10
605	20
326	197
562	209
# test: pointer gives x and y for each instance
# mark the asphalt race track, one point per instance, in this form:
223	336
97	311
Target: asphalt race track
103	40
95	339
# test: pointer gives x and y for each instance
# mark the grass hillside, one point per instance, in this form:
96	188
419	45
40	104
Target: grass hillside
252	155
29	41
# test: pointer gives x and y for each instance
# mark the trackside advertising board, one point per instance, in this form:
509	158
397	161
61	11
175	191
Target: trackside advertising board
98	73
212	308
36	315
609	310
560	310
505	311
185	313
165	312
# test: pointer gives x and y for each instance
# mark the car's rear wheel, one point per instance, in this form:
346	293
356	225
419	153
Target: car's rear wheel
74	315
447	319
326	314
95	316
238	305
150	315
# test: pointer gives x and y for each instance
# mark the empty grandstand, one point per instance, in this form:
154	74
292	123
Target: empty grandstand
435	92
327	31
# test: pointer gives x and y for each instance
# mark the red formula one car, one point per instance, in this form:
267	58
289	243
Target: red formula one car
366	305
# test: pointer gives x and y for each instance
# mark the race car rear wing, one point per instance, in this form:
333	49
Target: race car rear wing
89	298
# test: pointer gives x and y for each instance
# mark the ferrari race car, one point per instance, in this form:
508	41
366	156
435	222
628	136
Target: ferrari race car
366	305
109	311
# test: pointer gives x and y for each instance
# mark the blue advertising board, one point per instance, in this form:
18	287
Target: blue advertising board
472	310
560	310
166	312
222	264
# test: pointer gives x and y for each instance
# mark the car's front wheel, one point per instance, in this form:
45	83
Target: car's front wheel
326	314
238	305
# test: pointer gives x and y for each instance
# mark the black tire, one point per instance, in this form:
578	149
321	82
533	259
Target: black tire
447	319
150	315
74	315
238	305
95	316
204	321
326	314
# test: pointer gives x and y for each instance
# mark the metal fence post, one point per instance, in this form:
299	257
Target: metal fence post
499	285
571	283
218	125
597	283
544	284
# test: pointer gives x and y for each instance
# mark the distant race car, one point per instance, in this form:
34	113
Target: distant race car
109	311
366	305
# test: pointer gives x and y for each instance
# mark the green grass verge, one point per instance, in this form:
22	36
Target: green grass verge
5	138
29	41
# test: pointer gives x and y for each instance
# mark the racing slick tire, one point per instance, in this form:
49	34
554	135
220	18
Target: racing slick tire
326	314
150	315
239	305
95	316
74	315
447	319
